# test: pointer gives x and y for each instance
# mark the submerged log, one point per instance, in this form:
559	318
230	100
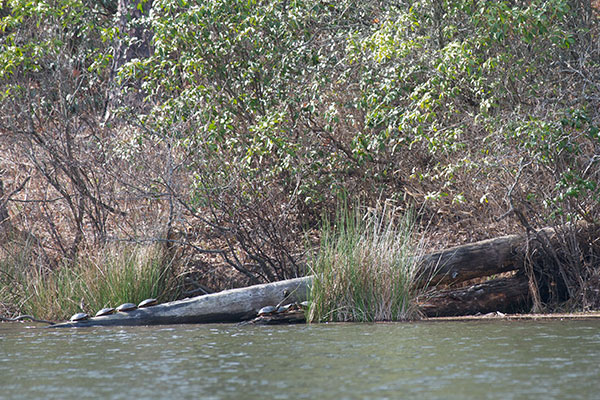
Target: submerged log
504	295
293	317
228	306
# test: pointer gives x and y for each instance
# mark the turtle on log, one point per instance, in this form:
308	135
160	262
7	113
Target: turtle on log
127	307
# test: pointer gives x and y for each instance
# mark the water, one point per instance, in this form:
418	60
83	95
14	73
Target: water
441	360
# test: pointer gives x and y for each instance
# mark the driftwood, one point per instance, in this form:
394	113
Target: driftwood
227	306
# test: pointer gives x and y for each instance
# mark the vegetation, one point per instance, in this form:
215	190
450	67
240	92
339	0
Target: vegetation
366	269
123	274
221	130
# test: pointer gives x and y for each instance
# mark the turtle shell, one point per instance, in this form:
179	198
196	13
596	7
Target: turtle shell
105	311
79	317
267	310
284	309
148	303
305	305
126	307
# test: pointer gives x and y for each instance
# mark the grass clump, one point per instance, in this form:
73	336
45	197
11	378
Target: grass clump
366	268
118	274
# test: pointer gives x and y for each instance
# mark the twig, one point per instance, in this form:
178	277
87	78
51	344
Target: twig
17	190
24	317
513	210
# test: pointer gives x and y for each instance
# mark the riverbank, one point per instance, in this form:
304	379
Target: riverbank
486	278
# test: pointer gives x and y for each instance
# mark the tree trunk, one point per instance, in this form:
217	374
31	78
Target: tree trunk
135	37
4	219
504	295
473	260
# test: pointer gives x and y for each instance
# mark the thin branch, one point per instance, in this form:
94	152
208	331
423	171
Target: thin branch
17	190
24	317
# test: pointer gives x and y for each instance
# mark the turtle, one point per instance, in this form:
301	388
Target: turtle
148	303
126	307
286	308
305	305
267	310
105	311
79	317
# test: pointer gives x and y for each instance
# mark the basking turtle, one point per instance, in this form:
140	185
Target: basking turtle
126	307
286	308
268	310
148	303
79	317
105	311
305	305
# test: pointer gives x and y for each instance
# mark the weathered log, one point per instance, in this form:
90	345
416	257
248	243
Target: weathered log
227	306
492	256
504	295
473	260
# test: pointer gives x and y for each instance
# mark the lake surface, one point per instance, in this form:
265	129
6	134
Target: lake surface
425	360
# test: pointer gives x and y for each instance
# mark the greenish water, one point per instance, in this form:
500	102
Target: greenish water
442	360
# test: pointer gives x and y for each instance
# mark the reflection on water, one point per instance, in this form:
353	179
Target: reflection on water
449	360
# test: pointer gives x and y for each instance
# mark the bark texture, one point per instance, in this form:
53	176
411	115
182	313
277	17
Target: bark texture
505	295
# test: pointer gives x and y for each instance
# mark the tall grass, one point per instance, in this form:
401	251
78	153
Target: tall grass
118	274
14	261
366	268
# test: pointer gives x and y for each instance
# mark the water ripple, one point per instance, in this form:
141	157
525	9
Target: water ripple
493	360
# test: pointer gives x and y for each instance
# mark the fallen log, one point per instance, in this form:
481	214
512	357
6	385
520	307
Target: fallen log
491	256
448	266
228	306
473	260
504	295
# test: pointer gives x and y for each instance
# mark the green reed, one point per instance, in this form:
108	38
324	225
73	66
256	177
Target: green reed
366	268
117	274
